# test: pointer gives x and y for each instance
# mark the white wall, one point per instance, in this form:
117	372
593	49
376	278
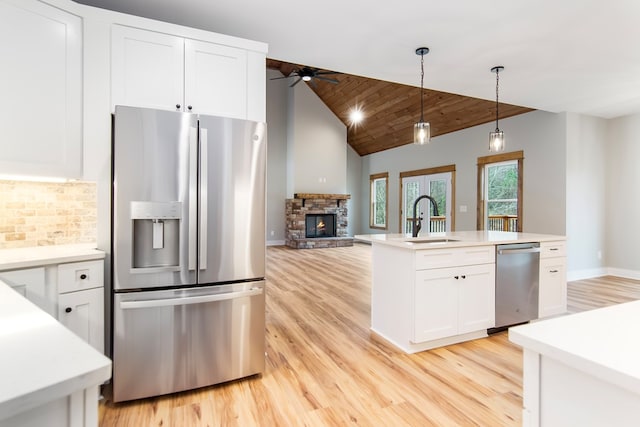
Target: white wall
277	101
317	151
622	197
586	191
306	142
354	187
542	137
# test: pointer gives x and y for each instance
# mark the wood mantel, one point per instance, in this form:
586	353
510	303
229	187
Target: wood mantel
336	197
321	196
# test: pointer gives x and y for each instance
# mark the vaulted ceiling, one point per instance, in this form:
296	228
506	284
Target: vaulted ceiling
391	109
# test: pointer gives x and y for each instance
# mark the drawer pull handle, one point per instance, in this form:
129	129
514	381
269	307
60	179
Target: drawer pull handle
464	277
83	276
456	277
553	271
68	310
553	249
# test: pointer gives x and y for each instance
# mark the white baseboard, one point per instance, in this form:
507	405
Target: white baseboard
627	274
603	271
586	274
275	242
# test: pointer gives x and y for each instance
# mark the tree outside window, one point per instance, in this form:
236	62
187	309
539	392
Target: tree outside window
379	186
500	192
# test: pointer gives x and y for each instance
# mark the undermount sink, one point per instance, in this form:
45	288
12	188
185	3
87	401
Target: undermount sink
442	240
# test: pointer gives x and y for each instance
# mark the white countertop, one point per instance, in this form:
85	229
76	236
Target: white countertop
11	259
457	239
40	359
603	343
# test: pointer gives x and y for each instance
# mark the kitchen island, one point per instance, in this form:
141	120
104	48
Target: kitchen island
49	376
582	369
439	289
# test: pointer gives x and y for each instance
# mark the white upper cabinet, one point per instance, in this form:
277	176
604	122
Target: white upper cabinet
157	70
147	69
41	87
215	79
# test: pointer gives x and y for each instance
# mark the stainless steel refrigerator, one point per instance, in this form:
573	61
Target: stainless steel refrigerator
188	251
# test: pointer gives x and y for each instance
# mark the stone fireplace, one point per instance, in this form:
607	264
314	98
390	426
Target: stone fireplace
317	221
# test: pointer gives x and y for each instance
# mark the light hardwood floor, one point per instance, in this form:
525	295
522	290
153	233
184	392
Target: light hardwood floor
323	368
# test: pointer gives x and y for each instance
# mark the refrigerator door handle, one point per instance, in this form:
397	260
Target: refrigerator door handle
204	202
126	305
193	197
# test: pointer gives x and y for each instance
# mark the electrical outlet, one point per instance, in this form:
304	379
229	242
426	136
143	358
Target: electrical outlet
272	233
463	208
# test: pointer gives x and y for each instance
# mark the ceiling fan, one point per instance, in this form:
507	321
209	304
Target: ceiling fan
309	74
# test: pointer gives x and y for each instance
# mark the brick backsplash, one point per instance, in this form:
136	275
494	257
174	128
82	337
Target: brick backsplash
41	214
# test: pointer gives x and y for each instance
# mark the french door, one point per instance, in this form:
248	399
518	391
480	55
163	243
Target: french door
436	185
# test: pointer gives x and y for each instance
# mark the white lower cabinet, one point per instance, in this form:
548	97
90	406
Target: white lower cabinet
81	300
73	293
453	301
31	284
83	313
553	279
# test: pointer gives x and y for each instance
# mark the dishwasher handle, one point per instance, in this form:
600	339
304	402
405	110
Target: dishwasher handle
530	250
167	302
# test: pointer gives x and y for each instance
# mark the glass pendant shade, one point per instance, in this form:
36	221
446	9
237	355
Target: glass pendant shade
421	133
496	140
422	129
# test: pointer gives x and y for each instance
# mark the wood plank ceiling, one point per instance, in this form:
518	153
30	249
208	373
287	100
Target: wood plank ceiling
391	109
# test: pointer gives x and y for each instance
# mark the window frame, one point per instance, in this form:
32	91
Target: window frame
430	171
372	200
481	187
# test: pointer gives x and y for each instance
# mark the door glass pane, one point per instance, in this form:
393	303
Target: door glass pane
438	190
502	196
411	193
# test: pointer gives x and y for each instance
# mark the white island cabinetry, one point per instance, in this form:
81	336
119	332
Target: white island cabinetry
447	296
439	289
582	369
553	279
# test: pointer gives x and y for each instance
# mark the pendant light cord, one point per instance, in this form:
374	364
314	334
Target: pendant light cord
497	104
422	87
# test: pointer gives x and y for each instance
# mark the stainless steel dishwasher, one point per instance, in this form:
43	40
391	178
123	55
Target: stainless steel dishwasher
517	274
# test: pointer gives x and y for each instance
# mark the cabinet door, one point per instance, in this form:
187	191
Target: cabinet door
477	301
83	313
31	284
215	79
435	304
553	287
147	69
41	87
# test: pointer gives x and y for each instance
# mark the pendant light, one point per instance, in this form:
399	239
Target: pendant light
422	129
496	138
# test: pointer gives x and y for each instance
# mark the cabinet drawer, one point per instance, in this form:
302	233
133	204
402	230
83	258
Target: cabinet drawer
80	275
452	257
552	249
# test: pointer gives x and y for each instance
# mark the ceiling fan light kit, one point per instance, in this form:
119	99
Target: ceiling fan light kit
496	138
422	129
309	74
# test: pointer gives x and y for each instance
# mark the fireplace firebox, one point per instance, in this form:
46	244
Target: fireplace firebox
320	225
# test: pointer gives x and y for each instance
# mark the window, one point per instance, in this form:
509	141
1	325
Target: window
379	184
500	192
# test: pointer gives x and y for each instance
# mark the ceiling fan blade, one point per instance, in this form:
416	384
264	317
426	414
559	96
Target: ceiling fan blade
296	82
313	83
327	79
319	73
283	77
